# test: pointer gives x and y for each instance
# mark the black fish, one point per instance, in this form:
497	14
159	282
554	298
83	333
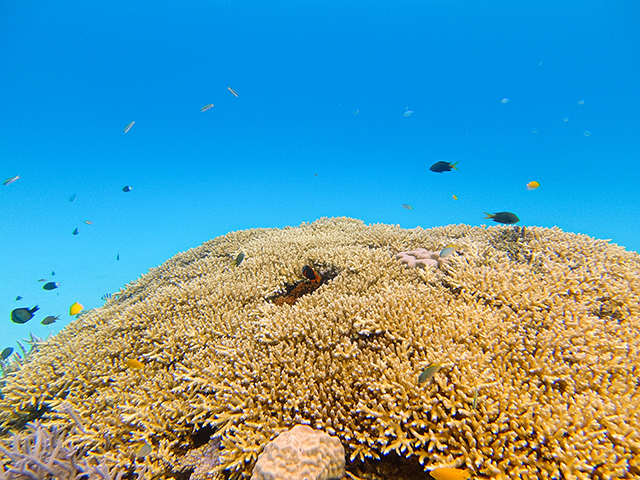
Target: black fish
6	353
126	188
75	232
18	298
503	217
239	259
23	315
310	273
440	167
118	256
51	286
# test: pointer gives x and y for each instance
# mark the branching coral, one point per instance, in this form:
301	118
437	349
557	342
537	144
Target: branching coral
43	453
537	333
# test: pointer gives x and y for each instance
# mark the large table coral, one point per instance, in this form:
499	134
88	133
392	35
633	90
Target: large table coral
537	333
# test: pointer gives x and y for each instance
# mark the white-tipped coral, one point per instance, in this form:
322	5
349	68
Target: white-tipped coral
301	453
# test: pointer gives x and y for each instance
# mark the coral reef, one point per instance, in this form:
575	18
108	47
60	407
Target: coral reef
42	454
301	453
537	333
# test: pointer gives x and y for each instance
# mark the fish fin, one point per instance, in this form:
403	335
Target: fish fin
488	215
453	165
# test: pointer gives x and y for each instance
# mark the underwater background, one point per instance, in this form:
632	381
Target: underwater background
510	92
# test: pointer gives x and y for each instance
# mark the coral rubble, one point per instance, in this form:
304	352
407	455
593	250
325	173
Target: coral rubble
537	333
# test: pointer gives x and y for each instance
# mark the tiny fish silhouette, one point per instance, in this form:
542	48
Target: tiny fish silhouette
440	167
503	217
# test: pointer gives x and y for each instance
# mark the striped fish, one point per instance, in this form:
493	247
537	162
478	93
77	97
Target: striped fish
106	296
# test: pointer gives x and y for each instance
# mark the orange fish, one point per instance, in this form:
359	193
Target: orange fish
133	363
310	273
445	473
88	222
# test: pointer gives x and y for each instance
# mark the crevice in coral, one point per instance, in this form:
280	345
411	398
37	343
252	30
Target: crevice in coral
294	291
389	466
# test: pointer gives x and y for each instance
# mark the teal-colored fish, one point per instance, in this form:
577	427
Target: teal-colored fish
239	259
50	319
503	217
6	353
50	286
23	315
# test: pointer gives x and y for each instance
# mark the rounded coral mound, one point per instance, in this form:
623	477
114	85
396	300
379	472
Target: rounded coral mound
301	453
536	332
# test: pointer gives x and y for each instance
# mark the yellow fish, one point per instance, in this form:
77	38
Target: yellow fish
532	185
445	473
75	308
429	372
133	363
454	197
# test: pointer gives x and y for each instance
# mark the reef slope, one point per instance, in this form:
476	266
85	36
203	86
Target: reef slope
537	331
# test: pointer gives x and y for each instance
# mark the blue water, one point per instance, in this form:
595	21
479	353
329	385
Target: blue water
289	148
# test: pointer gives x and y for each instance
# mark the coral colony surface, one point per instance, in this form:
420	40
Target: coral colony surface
536	334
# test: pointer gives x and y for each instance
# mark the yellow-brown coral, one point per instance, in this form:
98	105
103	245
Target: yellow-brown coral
538	331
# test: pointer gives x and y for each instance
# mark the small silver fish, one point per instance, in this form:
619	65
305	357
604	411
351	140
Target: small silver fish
445	252
206	107
9	181
128	127
232	91
144	450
